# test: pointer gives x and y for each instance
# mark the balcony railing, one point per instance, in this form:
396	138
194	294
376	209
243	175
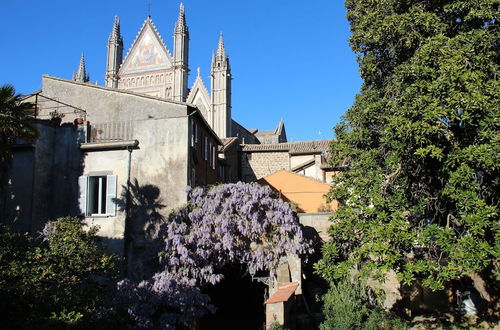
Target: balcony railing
112	131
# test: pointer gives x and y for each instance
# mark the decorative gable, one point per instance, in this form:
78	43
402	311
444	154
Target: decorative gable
199	96
148	52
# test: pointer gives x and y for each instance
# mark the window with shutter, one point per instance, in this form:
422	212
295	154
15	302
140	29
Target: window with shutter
111	195
98	195
82	201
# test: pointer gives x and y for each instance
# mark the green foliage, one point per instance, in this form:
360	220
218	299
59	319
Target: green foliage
421	143
276	326
62	281
346	306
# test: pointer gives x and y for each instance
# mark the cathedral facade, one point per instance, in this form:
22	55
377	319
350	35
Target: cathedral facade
150	68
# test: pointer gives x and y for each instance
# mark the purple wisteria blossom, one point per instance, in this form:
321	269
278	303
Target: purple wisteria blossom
242	223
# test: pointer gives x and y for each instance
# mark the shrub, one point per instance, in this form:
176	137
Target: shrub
346	306
61	279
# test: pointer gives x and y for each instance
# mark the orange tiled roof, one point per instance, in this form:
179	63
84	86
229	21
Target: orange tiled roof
283	294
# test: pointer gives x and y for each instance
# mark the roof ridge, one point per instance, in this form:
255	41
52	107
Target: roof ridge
116	90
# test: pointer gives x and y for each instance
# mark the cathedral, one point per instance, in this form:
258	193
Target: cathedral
121	155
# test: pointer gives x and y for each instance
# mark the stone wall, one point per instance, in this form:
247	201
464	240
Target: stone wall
320	222
255	165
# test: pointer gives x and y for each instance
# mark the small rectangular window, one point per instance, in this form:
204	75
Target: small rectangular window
194	134
210	154
205	155
98	195
214	157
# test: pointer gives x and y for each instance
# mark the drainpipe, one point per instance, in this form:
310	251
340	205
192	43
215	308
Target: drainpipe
190	132
128	220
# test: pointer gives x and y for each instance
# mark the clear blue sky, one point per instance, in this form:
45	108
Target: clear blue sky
290	59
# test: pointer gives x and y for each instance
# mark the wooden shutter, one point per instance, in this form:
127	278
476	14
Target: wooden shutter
82	199
111	195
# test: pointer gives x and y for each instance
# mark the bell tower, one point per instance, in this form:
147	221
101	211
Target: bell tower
181	52
221	91
115	55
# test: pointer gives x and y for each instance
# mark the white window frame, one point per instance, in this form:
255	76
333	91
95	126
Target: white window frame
194	134
110	189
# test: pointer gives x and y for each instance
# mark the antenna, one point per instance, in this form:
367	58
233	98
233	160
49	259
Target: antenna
149	8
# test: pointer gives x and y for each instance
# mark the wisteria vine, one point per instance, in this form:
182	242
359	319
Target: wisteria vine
241	223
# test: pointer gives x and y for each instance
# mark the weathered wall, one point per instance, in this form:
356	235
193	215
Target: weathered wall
58	163
158	172
15	201
102	104
44	178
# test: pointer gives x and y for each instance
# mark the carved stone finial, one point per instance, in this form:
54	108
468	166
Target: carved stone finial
181	26
115	35
198	71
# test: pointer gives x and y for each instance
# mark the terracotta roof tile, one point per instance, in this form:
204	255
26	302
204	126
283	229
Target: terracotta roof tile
306	147
283	294
266	147
299	147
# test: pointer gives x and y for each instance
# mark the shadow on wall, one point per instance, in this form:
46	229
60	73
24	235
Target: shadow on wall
142	204
43	178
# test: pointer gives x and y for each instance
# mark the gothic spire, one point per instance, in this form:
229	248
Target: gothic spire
181	25
115	52
115	36
221	51
81	75
220	59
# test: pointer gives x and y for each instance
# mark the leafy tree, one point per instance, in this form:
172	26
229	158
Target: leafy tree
228	224
57	283
420	145
14	120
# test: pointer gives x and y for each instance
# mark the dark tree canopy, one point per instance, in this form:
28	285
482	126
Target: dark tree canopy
14	119
15	124
421	143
